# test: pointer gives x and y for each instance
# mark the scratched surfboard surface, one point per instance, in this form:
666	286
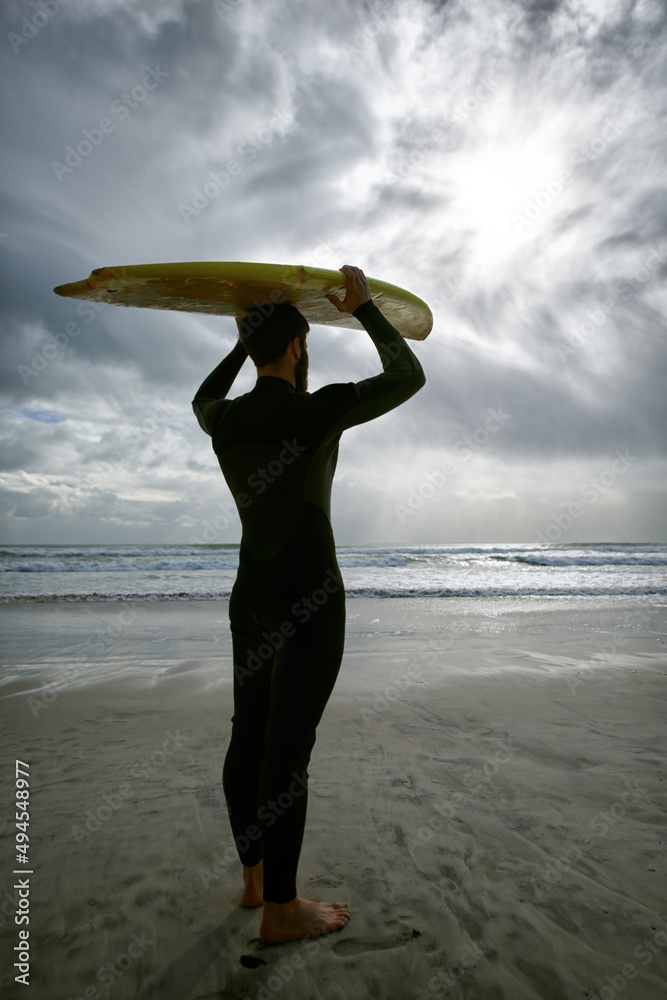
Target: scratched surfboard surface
230	288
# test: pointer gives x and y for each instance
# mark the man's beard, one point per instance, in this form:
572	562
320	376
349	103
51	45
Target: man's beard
301	370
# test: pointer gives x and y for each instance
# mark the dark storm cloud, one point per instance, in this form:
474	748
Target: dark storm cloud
379	132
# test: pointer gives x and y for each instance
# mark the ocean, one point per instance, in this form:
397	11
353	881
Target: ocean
206	572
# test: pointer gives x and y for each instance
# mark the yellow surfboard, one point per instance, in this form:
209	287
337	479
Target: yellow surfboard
230	288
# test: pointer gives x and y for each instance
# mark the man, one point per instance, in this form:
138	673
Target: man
277	447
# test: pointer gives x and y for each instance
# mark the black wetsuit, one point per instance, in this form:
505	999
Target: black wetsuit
277	449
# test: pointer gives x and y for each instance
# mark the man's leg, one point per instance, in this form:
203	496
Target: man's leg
244	760
304	673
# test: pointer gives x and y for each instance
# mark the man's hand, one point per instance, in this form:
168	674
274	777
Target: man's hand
356	290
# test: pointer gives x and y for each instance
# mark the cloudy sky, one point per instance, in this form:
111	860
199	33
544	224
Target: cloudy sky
504	159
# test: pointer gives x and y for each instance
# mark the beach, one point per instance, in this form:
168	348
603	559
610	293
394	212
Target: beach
486	792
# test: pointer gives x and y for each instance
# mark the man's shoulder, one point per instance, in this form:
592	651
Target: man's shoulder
333	390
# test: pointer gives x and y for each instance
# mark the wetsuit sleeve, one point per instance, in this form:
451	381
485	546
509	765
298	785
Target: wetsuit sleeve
402	376
210	395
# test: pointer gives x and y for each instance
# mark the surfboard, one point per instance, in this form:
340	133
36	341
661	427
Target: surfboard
230	288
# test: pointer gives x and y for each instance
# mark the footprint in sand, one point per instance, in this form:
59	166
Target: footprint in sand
396	938
331	881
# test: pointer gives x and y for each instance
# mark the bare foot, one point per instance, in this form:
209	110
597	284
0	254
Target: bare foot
254	882
301	918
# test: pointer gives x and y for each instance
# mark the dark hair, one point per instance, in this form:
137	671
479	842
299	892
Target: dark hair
268	328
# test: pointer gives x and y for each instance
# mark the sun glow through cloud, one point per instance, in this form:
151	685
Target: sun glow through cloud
490	190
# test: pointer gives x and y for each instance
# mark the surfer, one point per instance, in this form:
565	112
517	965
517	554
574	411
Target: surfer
277	446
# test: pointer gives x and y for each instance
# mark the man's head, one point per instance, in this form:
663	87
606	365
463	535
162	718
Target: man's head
269	329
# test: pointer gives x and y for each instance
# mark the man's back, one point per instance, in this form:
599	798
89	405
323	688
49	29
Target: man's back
278	448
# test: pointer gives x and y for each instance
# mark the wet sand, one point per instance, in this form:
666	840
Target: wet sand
486	792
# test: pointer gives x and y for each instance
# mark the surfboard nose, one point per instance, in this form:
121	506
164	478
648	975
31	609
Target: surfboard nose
73	289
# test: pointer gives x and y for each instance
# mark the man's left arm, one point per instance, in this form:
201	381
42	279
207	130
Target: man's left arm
212	392
339	406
